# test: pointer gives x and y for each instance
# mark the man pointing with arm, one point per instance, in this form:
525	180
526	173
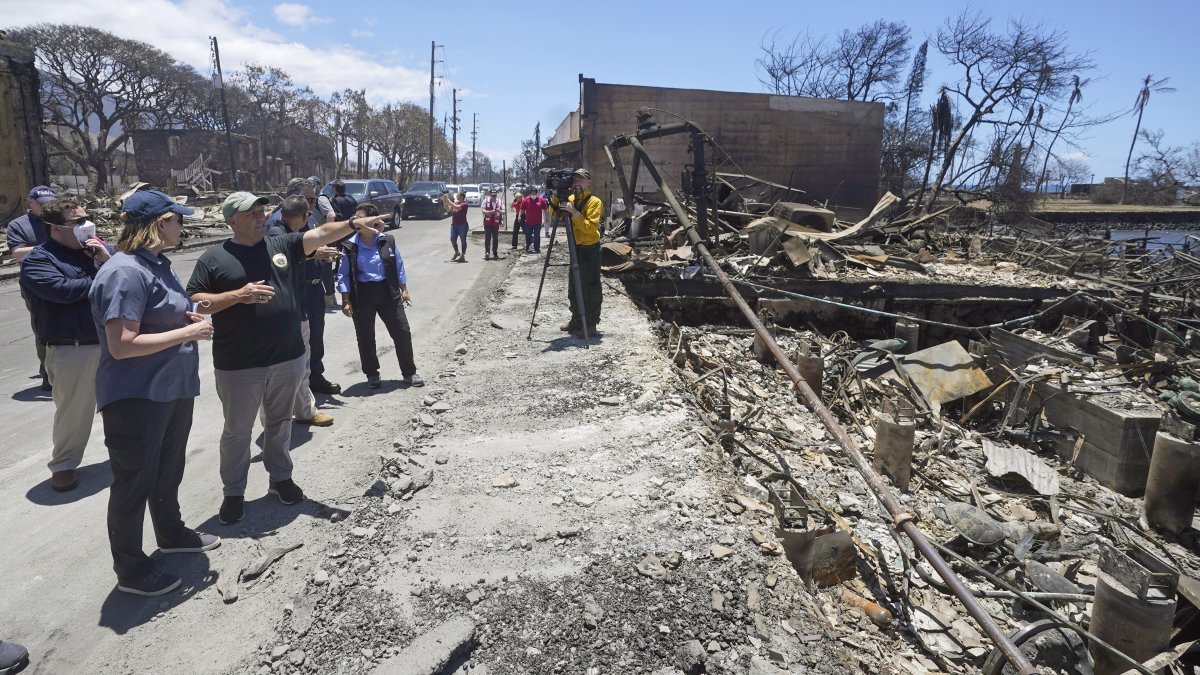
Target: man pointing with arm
253	285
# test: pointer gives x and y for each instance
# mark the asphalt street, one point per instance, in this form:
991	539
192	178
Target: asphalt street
57	588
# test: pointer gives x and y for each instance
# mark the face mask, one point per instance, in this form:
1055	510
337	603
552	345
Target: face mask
85	231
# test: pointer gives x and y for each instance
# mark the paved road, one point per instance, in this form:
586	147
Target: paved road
56	584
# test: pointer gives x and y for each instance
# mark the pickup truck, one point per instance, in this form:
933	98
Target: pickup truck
424	199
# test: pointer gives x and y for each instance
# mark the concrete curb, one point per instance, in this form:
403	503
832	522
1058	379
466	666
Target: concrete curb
430	653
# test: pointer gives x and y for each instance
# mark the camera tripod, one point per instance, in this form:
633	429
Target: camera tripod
561	217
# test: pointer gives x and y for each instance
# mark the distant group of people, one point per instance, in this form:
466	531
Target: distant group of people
533	215
530	217
120	333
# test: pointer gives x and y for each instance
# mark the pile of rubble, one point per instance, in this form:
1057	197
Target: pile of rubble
1021	390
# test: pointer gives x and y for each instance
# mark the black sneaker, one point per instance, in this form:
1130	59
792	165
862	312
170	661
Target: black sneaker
414	380
157	582
232	510
373	381
193	543
13	658
287	491
324	386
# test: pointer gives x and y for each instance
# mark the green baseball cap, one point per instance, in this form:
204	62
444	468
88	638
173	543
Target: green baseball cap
241	201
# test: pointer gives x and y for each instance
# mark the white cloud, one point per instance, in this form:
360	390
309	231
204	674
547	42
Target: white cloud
295	14
362	34
329	68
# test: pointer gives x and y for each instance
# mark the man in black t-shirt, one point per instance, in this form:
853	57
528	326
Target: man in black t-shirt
253	285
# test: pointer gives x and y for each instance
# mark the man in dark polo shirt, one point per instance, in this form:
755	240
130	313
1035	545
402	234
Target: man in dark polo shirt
313	302
294	216
23	234
252	285
56	277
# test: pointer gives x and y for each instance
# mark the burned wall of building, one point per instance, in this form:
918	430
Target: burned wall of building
829	148
23	161
159	151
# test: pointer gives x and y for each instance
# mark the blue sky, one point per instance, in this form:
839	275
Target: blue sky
513	69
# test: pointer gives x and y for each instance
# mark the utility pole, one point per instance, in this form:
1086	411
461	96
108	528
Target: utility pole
474	133
219	82
454	144
432	63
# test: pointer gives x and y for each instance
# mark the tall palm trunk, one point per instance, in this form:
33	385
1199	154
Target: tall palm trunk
1129	157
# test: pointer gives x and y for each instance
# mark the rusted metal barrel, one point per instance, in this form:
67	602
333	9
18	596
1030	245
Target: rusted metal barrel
1139	627
812	368
1172	484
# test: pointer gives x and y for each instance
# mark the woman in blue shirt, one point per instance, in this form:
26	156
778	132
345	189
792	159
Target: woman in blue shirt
372	282
148	379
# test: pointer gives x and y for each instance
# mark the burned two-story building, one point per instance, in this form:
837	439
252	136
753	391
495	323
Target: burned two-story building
173	159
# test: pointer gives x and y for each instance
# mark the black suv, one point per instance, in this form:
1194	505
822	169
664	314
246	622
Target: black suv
424	198
381	192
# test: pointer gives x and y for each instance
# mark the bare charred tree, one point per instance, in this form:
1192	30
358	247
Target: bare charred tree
1165	168
526	163
796	68
1004	78
96	87
1149	85
866	64
860	65
1069	170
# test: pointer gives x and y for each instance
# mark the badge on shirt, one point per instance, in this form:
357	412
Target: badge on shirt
279	260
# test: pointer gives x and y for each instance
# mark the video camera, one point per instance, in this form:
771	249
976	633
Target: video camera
559	181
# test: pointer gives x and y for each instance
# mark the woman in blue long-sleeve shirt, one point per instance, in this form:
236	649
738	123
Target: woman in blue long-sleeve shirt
372	282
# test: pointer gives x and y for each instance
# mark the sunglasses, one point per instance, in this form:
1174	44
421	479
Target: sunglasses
72	223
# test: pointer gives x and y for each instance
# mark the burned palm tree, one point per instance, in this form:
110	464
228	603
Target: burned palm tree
941	115
1148	85
1076	97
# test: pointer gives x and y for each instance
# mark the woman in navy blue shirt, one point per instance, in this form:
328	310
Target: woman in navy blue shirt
148	379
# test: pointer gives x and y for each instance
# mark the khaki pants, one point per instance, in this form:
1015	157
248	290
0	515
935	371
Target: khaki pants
305	407
72	372
243	393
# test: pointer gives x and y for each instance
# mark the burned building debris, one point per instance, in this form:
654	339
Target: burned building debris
831	147
1019	399
23	160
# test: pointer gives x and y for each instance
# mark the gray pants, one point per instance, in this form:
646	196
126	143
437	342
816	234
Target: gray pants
242	393
72	372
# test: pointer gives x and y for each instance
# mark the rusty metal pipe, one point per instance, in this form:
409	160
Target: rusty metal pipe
902	519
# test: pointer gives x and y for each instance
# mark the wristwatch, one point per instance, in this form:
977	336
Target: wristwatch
351	224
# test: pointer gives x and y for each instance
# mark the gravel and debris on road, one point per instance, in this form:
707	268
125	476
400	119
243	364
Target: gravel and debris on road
572	535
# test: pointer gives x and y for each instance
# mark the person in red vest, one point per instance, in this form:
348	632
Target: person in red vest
492	207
